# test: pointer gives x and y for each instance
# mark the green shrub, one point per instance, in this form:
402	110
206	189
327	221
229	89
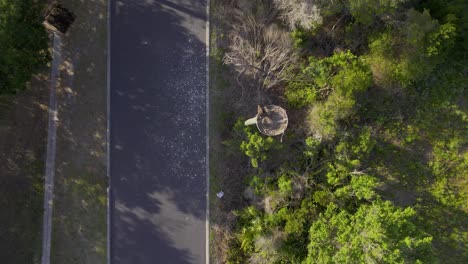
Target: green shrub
299	37
343	72
365	11
256	146
323	117
411	53
332	84
376	233
285	184
23	42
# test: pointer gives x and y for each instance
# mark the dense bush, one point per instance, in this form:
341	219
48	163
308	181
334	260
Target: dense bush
375	233
376	171
365	11
250	142
410	53
330	85
316	223
23	43
343	73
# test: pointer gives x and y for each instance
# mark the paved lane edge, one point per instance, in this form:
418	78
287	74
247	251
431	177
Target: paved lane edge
207	238
108	220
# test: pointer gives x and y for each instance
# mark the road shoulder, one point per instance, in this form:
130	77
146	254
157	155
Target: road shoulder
79	218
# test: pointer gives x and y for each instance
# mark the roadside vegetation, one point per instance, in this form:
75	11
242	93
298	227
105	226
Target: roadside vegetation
23	43
23	58
373	167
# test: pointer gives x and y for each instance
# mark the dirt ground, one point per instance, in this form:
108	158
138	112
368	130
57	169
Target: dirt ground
23	122
229	100
79	214
226	171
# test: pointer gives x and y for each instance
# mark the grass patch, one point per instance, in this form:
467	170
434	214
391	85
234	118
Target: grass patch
80	218
21	200
22	149
5	103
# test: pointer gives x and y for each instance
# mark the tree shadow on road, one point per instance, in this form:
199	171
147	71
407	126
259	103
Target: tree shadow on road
158	132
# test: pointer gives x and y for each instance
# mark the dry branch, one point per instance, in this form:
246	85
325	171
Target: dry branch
300	13
258	49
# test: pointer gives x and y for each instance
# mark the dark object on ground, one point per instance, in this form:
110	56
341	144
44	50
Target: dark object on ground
58	18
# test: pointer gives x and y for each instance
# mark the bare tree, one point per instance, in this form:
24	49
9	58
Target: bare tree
258	49
300	13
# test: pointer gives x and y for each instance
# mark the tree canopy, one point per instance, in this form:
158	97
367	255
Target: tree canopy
23	43
372	168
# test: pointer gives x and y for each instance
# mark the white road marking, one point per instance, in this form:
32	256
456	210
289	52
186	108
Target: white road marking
51	144
207	238
109	3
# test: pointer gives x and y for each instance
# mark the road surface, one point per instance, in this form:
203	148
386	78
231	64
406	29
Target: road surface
158	131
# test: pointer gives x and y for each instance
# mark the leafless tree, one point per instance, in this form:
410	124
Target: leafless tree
259	49
302	13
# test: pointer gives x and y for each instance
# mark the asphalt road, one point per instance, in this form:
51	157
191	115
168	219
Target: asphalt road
157	131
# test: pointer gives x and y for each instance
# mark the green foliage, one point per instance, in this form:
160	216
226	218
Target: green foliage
361	187
312	147
337	174
250	142
441	39
303	86
334	81
389	128
344	174
257	146
452	11
251	220
285	184
376	233
411	53
297	220
443	86
257	184
365	11
343	73
450	166
23	42
354	77
299	37
364	144
323	117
